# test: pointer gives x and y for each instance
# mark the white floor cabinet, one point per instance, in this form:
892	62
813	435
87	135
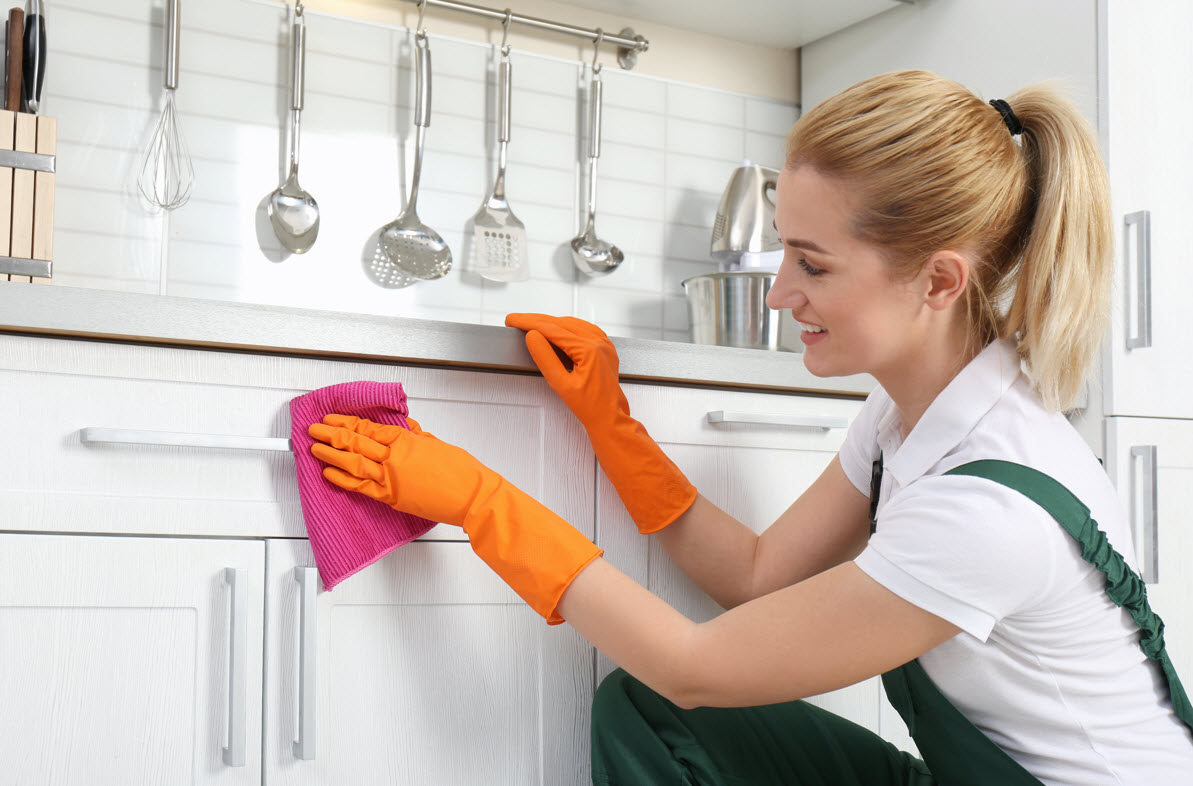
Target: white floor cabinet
161	621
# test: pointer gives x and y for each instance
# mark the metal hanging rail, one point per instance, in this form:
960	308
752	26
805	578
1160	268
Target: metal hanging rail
628	44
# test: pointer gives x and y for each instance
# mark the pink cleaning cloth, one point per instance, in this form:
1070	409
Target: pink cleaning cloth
348	531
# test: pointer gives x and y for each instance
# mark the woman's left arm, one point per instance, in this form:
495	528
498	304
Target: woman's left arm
829	631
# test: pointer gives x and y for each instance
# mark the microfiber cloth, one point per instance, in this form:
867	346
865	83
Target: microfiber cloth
348	531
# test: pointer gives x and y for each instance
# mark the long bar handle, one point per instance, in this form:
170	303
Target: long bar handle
298	42
1142	220
503	86
1149	557
422	80
594	117
304	746
236	578
94	434
821	423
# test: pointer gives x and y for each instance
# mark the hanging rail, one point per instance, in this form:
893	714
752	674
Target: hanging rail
628	45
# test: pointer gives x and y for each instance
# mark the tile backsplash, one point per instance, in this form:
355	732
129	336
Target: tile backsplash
666	154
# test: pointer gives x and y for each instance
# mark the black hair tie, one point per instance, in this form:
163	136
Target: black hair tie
1008	117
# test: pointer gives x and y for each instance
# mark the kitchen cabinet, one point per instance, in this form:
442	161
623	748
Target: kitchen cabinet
749	453
130	660
1150	461
1149	107
425	668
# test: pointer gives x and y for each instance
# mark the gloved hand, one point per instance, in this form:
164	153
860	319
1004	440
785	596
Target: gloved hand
651	487
534	551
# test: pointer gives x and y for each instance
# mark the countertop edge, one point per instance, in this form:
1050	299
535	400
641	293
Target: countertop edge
70	312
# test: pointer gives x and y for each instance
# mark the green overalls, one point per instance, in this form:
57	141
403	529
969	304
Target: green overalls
640	738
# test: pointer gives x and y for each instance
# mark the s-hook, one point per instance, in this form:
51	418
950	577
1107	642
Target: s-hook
596	50
505	35
420	31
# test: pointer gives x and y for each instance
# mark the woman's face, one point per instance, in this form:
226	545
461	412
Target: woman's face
855	317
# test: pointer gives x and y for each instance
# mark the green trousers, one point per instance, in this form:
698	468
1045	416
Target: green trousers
640	738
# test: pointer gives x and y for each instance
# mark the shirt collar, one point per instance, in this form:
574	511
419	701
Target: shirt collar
952	415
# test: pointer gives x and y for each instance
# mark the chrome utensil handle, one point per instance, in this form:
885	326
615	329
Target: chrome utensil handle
173	33
298	39
235	578
1149	553
503	120
1142	220
814	423
594	117
422	76
92	434
304	746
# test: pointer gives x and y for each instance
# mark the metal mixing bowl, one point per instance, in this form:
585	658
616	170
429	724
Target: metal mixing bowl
729	310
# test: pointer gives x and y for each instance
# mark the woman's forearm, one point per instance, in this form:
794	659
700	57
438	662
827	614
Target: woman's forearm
715	550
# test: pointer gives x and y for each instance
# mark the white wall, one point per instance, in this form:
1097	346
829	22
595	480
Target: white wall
667	152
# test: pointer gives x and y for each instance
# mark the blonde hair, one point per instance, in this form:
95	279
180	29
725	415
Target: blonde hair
932	166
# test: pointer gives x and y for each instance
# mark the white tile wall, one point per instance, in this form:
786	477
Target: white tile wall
667	152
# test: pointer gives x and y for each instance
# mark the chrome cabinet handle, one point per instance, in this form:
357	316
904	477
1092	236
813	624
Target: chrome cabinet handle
812	422
93	434
235	578
1149	558
304	746
1142	220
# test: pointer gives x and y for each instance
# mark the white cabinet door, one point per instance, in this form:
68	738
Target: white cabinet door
130	660
1158	493
753	460
1149	100
426	669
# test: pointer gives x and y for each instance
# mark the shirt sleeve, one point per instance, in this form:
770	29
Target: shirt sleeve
859	451
965	549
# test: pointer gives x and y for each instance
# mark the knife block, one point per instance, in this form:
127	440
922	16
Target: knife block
28	152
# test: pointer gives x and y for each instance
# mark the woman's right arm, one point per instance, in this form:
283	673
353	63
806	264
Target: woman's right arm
827	525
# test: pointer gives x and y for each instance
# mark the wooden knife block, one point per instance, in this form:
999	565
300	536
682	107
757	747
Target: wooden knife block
27	198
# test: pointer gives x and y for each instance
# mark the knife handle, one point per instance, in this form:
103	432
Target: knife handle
14	56
34	71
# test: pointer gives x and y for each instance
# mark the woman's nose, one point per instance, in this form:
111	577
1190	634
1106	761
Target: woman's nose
784	290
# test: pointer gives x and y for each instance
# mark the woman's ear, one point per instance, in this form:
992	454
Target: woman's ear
945	274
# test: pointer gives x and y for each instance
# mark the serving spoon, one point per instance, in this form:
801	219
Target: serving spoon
293	212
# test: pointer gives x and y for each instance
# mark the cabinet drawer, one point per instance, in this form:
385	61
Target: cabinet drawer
54	389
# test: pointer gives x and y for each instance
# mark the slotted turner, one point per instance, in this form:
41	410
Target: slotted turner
500	238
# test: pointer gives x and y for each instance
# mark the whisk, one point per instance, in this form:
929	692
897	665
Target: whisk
167	174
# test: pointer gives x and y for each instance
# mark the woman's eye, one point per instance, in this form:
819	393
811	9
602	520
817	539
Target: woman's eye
809	269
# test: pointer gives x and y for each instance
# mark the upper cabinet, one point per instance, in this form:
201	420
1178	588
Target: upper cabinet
1149	109
783	24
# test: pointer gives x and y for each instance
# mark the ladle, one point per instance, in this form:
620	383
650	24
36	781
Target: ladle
293	212
591	254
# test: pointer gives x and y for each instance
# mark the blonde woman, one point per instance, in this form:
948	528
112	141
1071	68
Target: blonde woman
965	543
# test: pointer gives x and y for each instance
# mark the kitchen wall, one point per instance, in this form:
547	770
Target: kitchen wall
668	149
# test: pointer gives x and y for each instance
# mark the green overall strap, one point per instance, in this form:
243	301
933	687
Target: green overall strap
1123	585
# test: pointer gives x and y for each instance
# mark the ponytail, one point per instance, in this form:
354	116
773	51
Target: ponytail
1061	304
935	167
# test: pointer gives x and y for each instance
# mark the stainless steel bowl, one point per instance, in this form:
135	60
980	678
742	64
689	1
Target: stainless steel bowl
729	310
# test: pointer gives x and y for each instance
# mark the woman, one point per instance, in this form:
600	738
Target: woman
939	243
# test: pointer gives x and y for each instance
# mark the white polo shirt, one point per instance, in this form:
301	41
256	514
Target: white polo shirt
1047	666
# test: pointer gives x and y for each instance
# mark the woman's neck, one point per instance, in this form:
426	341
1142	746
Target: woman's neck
915	381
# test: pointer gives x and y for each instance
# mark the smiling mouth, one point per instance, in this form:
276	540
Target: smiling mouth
809	328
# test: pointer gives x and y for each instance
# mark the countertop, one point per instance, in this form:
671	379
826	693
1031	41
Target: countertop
58	311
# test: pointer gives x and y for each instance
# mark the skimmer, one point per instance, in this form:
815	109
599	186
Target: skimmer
408	243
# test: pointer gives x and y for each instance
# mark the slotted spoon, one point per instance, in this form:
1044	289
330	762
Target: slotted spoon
408	243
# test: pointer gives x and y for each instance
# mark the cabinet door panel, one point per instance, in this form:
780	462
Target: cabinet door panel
116	660
1168	526
1151	163
751	468
429	669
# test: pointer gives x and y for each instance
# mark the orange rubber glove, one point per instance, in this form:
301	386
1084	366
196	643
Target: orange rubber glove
651	487
533	550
